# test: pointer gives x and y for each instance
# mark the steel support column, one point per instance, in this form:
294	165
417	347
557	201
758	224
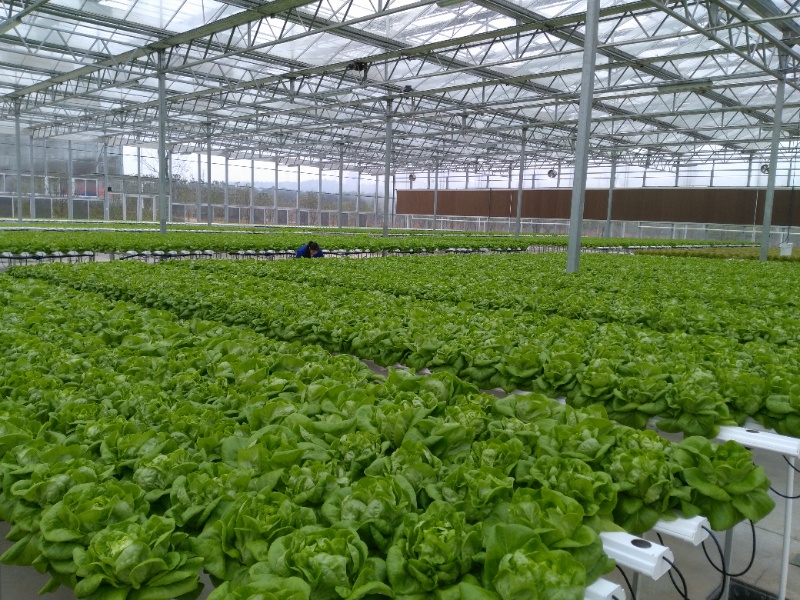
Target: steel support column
677	172
33	182
319	196
46	173
225	190
138	183
199	187
612	180
297	199
582	142
388	168
106	199
275	197
435	195
749	169
70	203
358	200
773	159
208	175
171	193
251	204
518	226
341	184
18	140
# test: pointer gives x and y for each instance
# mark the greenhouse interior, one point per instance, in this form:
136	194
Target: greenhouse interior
552	351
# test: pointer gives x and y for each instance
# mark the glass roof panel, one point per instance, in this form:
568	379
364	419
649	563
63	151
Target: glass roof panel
325	70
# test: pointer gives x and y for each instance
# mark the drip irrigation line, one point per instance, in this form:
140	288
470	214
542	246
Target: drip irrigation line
772	489
723	570
684	593
628	583
721	558
788	462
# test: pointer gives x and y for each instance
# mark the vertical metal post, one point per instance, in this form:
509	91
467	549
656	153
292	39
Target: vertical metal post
70	203
358	199
208	175
341	184
33	182
727	553
388	167
787	529
677	172
510	175
773	159
251	208
749	169
225	191
297	199
46	171
582	142
163	169
171	191
713	168
199	188
319	196
436	195
17	109
518	226
106	207
466	178
377	188
138	183
607	230
275	196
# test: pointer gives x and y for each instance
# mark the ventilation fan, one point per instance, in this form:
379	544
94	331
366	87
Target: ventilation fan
765	169
552	173
412	177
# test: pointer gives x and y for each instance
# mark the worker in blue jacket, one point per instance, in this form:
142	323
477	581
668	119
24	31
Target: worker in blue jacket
310	250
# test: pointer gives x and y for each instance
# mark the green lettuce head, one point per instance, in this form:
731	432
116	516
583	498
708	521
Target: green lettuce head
133	561
330	560
432	551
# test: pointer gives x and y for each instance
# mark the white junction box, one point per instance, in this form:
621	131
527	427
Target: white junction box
643	556
689	530
603	589
764	440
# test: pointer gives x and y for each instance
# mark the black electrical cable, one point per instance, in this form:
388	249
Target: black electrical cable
788	462
672	566
721	558
723	570
684	593
630	587
772	489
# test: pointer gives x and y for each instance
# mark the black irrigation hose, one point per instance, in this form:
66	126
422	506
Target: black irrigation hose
630	587
772	489
723	570
684	593
788	462
721	558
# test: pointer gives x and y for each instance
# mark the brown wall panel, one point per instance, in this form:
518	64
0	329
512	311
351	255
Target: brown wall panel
734	206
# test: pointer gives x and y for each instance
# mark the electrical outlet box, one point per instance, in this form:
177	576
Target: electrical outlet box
643	556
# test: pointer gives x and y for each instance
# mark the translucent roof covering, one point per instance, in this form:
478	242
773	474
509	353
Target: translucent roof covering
298	80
